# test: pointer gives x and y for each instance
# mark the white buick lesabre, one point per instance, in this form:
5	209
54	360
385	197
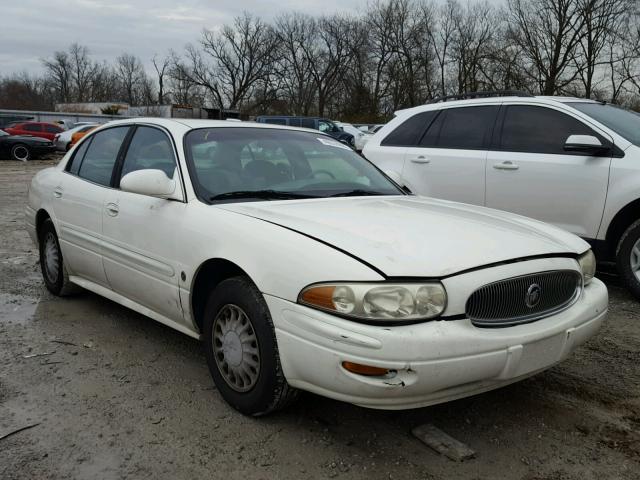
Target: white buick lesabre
301	266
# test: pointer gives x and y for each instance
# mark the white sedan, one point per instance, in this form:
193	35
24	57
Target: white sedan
63	139
301	266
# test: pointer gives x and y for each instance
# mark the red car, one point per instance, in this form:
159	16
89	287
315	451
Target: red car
34	129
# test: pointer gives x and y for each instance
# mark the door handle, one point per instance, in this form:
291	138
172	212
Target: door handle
112	209
420	159
57	192
506	165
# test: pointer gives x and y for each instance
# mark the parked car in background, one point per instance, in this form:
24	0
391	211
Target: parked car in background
315	123
302	266
36	129
368	127
18	147
63	139
359	137
77	136
567	161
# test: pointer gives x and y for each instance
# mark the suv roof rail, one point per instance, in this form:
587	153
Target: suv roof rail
486	94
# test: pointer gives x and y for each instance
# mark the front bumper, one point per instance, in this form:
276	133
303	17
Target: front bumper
435	361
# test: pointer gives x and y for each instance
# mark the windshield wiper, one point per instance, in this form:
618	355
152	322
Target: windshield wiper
261	194
356	193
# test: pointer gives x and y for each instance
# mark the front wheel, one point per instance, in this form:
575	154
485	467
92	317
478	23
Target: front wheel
21	152
628	258
241	349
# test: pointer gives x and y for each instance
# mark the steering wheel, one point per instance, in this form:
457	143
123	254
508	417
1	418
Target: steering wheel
325	172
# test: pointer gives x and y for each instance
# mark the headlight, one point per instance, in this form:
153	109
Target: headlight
587	263
383	302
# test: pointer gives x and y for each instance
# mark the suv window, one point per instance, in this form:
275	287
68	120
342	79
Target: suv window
32	127
150	148
101	155
466	128
276	121
408	132
528	128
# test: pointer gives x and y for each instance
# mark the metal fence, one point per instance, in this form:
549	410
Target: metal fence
7	116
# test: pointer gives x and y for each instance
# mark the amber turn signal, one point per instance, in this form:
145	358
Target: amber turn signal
319	296
364	369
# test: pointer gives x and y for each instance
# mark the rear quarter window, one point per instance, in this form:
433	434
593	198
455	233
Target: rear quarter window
408	133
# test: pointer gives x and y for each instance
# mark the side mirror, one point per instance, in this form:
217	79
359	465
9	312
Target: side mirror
587	144
151	182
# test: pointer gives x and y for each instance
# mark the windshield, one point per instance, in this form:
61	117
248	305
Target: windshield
257	163
624	122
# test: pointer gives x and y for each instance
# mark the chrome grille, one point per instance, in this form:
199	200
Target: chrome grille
523	299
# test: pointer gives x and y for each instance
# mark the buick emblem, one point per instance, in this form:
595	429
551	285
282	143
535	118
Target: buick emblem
532	297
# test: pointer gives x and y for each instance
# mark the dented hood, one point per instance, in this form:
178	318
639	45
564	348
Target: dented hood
409	236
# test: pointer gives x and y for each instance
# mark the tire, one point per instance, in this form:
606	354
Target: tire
54	272
236	308
21	152
628	258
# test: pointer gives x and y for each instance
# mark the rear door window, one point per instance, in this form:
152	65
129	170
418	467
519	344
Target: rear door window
102	154
465	128
52	129
74	164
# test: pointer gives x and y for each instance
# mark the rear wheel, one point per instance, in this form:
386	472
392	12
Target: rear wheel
241	349
54	272
21	152
628	258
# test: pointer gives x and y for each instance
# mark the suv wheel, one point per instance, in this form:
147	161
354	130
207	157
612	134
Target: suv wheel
628	258
241	349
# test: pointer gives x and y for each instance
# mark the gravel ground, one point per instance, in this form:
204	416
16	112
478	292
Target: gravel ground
115	395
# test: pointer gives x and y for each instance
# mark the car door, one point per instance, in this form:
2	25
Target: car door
448	161
78	202
530	173
140	246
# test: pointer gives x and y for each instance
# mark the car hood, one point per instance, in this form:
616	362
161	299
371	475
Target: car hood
409	236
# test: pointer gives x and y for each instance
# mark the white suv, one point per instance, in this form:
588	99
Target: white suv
571	162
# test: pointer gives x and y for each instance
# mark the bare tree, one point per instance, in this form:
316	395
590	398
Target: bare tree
59	72
293	67
131	77
161	67
549	32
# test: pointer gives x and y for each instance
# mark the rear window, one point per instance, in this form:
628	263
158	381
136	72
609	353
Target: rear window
409	132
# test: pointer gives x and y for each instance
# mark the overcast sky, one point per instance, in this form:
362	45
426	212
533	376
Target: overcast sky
33	29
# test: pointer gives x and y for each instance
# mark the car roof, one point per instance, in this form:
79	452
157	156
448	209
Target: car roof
541	99
194	123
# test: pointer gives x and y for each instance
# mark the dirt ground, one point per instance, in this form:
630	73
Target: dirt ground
113	394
